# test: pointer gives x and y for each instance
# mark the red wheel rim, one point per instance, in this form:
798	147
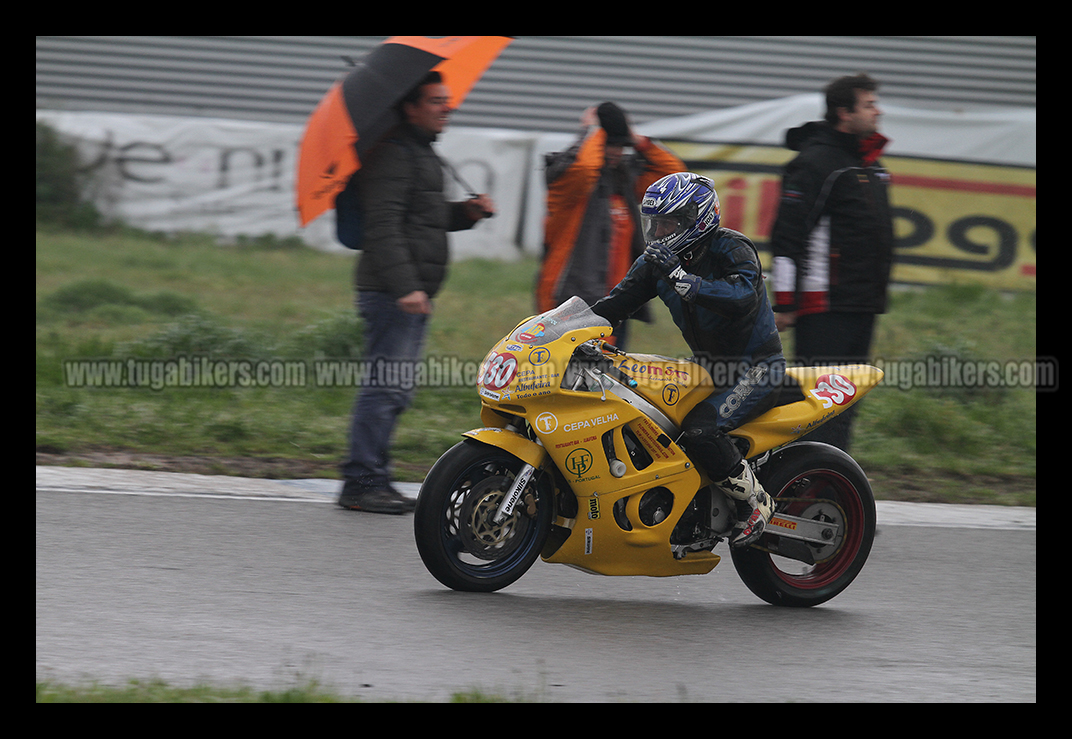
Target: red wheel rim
825	485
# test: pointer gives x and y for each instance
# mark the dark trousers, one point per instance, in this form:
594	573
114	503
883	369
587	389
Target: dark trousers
394	341
835	338
706	426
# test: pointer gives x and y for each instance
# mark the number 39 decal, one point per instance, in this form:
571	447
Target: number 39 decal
833	390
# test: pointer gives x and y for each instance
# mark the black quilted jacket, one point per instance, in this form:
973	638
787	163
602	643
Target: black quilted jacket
406	217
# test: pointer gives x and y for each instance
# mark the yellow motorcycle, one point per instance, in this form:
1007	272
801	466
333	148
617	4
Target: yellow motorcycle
578	462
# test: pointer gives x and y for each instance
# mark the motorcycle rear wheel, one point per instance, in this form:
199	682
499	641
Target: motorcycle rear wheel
457	538
812	480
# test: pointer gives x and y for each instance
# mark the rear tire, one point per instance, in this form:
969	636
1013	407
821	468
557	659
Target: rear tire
457	539
812	480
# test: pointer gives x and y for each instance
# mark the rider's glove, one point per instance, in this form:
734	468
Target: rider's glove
661	258
669	266
686	285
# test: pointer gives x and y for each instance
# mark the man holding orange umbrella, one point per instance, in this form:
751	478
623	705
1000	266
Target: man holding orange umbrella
401	268
379	121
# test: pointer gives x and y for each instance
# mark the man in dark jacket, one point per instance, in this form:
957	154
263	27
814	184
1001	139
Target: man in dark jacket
832	241
711	280
401	268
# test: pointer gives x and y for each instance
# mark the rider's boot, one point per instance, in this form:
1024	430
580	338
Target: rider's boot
742	485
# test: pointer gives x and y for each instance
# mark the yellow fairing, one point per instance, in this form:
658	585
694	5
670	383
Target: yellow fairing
584	432
613	443
674	386
588	443
828	392
516	444
599	544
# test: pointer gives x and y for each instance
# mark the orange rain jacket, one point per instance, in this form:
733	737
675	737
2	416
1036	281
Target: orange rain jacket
577	261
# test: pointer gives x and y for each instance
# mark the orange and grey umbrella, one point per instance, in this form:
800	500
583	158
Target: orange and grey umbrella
359	109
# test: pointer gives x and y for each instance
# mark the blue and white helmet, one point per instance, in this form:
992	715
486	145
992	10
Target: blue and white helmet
679	210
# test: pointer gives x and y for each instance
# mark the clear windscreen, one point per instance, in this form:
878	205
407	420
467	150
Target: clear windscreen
557	322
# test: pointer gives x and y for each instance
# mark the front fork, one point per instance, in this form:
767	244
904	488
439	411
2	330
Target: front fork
506	508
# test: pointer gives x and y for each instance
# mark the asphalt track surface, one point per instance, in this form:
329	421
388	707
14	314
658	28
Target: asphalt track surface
231	581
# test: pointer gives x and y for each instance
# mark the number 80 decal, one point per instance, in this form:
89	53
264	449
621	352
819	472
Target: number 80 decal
833	390
498	371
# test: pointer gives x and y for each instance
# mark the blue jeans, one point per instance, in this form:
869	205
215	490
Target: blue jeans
394	341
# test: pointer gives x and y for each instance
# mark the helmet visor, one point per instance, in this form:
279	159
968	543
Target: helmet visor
662	227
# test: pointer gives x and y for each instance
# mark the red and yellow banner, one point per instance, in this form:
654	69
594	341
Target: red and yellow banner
955	222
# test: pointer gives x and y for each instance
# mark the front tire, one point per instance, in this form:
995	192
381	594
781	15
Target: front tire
812	480
457	538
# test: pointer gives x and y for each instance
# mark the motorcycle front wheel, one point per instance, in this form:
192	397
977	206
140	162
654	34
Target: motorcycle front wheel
457	537
820	482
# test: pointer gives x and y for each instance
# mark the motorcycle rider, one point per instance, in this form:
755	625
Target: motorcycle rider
711	280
